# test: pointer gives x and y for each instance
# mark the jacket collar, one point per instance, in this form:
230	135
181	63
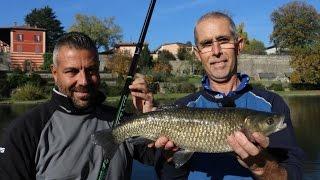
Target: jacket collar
66	105
244	81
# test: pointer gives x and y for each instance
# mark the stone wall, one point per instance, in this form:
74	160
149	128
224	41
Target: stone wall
255	64
251	65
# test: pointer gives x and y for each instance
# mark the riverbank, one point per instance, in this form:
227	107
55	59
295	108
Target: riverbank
170	97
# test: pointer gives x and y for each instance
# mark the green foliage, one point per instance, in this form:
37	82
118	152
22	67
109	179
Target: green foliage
162	67
28	92
196	66
145	60
258	85
4	85
17	78
254	47
183	53
179	88
296	24
165	55
35	79
186	88
110	91
46	18
160	77
276	87
304	86
242	33
306	62
103	31
177	79
47	61
119	63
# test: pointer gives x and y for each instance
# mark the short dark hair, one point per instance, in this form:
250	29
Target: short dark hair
75	40
217	15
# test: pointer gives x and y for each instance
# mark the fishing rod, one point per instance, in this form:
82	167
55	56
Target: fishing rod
133	66
125	91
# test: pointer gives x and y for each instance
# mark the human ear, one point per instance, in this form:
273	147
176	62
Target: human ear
197	53
240	45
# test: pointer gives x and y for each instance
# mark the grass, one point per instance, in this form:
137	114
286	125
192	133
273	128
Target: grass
169	97
299	93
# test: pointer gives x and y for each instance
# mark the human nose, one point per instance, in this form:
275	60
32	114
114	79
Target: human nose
83	79
215	48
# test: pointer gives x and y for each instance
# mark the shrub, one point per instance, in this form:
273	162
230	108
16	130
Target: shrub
47	61
304	86
114	91
4	85
17	78
258	85
186	88
276	87
36	80
179	88
178	79
28	92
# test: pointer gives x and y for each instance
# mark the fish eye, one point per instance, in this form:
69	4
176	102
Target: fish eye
270	121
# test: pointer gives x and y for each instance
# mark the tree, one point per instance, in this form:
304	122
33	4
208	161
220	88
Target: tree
104	32
165	55
46	18
119	63
189	43
295	24
306	65
183	53
145	60
4	85
242	33
254	47
162	67
47	61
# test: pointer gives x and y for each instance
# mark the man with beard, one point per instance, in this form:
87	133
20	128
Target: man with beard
52	141
274	157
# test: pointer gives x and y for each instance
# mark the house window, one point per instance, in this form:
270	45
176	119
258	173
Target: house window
36	38
37	49
19	37
19	48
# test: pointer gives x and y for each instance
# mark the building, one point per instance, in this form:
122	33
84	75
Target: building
126	48
26	46
172	48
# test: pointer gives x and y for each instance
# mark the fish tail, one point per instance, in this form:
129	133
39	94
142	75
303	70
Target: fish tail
106	140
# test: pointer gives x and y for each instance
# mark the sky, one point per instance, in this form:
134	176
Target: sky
172	20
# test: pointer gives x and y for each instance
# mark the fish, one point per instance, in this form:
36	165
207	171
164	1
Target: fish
191	129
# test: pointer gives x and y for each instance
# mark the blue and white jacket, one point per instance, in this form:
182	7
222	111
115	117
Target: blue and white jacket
225	165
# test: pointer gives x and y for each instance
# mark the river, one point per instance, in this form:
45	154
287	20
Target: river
305	115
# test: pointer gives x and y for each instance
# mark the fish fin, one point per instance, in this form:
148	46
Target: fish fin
181	157
139	140
248	134
167	107
106	140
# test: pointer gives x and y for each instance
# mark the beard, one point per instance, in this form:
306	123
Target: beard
83	101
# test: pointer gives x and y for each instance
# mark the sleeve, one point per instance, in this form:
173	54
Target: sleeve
144	154
16	158
155	157
283	144
18	147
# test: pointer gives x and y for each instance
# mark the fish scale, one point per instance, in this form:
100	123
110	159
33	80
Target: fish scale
194	129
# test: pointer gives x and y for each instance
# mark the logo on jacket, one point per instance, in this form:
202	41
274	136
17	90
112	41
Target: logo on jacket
2	149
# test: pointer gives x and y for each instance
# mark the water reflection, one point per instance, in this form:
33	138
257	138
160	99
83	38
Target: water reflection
305	115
